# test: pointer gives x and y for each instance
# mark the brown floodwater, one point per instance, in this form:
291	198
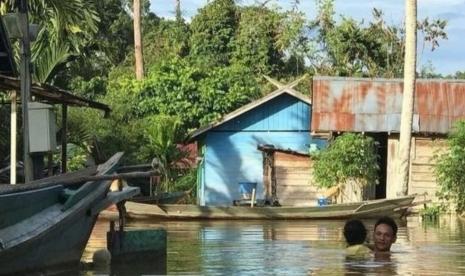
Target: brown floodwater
305	247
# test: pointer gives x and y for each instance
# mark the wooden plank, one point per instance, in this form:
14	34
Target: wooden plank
300	189
293	182
422	167
423	176
291	163
288	170
294	176
291	157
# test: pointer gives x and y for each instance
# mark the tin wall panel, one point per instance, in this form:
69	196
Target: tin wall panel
374	105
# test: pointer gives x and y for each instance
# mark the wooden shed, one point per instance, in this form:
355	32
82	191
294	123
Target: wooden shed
287	177
228	148
373	107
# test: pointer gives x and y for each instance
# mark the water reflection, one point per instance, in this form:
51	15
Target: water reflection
296	248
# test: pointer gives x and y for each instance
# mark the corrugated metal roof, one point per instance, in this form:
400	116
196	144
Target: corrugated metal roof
374	105
51	94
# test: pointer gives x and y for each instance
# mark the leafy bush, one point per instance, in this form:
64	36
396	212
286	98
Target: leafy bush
188	182
349	157
450	168
431	212
163	133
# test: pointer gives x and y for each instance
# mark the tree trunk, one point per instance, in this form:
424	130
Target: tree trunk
138	41
408	95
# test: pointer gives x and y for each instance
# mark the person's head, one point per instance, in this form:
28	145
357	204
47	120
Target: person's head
355	232
384	234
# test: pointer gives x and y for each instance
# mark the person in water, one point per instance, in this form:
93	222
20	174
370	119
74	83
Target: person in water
355	234
384	234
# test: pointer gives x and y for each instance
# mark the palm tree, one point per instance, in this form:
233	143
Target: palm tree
408	96
65	27
138	41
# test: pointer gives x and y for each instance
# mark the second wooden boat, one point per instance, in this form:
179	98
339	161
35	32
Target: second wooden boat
365	209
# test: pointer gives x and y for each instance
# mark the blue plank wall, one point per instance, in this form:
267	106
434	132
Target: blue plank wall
231	155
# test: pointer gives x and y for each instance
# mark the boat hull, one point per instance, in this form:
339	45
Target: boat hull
368	209
62	244
47	237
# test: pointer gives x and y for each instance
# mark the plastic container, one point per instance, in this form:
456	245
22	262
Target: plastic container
322	201
246	188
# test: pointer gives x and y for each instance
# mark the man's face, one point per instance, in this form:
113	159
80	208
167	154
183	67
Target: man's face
383	237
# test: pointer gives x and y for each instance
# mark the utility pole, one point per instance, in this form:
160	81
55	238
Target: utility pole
25	77
409	93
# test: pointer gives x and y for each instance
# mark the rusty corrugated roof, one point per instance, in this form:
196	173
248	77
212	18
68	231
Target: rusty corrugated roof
374	105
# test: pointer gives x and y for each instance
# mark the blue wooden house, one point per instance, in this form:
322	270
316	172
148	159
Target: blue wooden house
228	148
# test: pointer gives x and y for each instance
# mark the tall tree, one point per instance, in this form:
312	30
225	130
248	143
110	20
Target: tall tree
138	40
213	30
408	95
178	10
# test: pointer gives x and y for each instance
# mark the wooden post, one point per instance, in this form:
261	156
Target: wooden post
64	142
13	130
50	163
25	79
252	201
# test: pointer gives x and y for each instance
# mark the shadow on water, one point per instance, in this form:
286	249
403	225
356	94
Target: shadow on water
294	248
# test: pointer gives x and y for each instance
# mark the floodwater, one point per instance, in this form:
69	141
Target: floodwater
307	247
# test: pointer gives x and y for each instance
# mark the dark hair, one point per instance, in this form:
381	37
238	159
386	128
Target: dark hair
388	221
355	232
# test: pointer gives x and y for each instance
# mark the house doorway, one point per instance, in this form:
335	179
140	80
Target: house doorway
381	140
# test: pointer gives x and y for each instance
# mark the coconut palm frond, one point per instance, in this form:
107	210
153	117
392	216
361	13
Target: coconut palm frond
47	59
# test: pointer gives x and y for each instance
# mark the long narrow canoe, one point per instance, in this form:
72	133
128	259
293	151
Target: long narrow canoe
365	209
45	226
162	198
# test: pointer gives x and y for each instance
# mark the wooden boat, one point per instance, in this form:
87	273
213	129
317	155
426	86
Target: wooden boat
162	198
46	224
366	209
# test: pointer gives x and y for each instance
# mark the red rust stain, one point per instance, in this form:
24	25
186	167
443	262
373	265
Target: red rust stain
438	103
344	121
315	124
381	94
343	103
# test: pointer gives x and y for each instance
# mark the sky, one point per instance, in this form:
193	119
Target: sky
447	59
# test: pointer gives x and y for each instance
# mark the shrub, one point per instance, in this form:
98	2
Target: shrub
349	157
450	168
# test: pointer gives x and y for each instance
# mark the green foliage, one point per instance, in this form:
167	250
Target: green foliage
165	40
77	157
213	30
354	48
163	133
431	212
349	157
255	42
450	168
188	182
4	134
175	87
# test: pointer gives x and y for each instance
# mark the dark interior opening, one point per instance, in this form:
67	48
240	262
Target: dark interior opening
381	140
